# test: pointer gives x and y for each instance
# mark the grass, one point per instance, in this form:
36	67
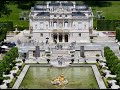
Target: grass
110	12
14	16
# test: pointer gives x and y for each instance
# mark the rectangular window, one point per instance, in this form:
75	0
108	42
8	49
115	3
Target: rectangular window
79	25
41	25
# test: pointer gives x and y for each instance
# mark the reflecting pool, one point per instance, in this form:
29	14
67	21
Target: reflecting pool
41	77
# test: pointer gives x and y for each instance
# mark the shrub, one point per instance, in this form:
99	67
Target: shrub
1	80
106	82
7	71
14	62
19	61
18	72
12	82
6	78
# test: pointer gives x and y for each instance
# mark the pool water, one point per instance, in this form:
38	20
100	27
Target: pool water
78	78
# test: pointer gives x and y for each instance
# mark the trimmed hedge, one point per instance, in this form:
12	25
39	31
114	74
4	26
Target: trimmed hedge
8	62
8	25
21	28
118	34
12	82
107	25
112	62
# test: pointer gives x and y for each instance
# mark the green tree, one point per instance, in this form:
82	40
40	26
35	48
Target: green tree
3	32
25	5
4	10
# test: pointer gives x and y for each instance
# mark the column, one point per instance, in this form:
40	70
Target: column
63	38
57	23
63	24
57	37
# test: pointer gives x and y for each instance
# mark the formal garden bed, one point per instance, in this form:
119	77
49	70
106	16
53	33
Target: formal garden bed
10	68
111	73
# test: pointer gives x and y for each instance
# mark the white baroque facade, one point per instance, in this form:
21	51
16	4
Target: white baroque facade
63	21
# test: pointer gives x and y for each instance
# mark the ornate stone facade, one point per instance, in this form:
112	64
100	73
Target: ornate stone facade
63	21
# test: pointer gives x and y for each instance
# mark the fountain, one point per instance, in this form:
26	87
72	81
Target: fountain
60	81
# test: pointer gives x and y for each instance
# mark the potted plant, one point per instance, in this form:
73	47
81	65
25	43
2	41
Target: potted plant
72	55
14	74
72	60
23	60
48	60
97	59
19	66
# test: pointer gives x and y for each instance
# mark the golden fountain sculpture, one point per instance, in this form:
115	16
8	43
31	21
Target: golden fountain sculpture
60	80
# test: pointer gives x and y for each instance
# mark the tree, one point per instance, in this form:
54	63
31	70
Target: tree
1	72
3	32
4	10
25	5
97	3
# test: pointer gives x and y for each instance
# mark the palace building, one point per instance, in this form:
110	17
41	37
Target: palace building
61	21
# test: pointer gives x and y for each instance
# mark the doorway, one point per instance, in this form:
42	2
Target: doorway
66	37
54	37
60	37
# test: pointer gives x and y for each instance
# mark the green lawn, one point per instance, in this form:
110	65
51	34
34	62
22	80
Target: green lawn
14	16
112	12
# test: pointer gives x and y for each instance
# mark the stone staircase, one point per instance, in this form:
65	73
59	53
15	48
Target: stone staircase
60	52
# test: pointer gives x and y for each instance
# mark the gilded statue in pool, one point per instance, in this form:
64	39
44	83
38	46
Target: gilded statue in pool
60	80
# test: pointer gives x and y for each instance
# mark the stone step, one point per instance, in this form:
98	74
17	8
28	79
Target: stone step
60	52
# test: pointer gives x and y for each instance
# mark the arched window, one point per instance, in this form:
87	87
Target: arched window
55	24
66	24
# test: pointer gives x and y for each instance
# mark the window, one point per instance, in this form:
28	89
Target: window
41	34
79	34
60	15
41	25
36	26
79	25
54	15
65	15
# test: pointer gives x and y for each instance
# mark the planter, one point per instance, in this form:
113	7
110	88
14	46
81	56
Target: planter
48	60
19	67
72	60
14	74
23	60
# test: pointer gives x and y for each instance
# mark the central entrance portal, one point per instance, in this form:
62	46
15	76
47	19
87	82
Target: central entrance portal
60	37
